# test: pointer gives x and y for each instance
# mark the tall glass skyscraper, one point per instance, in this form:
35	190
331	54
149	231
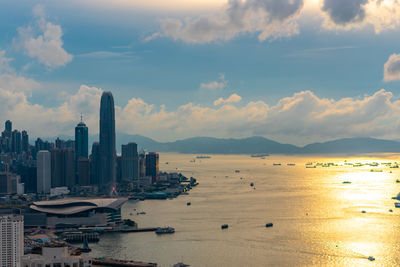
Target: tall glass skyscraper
81	141
107	143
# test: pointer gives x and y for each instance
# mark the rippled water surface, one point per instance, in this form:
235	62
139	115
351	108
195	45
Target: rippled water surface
317	219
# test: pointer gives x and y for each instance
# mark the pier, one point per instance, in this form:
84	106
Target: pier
120	263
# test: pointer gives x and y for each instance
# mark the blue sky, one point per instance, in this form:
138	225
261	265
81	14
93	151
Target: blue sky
167	67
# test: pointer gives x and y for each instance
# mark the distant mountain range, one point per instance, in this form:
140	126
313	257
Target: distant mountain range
254	145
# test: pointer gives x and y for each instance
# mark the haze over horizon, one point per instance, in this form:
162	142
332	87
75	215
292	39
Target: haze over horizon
296	72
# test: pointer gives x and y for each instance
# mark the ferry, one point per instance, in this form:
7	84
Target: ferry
165	230
203	157
259	155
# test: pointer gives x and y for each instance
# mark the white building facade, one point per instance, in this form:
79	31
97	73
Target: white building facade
11	240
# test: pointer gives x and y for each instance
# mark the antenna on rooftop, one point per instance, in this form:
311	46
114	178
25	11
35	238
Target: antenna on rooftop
81	118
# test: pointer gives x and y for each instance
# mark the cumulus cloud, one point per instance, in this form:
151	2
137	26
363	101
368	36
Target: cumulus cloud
343	12
233	98
268	18
43	40
392	68
299	119
382	15
221	83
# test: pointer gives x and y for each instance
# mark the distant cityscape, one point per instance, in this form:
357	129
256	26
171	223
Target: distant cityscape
60	186
55	167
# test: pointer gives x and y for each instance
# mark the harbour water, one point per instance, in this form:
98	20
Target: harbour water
317	219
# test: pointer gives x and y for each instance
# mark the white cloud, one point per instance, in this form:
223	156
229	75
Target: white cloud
392	68
233	98
382	15
300	118
221	83
4	62
270	19
43	40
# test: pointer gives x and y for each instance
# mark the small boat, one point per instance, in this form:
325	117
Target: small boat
363	211
311	167
203	157
276	164
398	181
237	171
346	182
259	155
269	225
397	204
370	258
291	164
188	204
165	230
141	213
390	210
224	226
251	184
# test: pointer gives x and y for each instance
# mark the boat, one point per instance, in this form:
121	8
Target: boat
203	157
346	182
370	258
251	184
311	167
259	155
140	213
269	225
398	181
276	164
291	164
165	230
397	204
224	226
237	171
188	204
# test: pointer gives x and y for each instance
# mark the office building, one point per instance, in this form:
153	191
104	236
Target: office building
11	240
107	143
81	141
142	163
5	183
43	172
16	142
129	162
152	165
95	164
25	141
83	172
62	167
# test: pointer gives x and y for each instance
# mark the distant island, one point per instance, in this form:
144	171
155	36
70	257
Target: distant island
257	145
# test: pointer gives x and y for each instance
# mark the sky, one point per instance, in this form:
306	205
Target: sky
295	71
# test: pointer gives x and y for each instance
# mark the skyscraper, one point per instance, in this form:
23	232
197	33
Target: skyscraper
129	162
11	240
62	167
107	143
152	166
81	141
43	172
8	126
95	164
25	141
16	142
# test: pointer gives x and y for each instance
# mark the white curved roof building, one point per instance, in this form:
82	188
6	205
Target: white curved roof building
80	211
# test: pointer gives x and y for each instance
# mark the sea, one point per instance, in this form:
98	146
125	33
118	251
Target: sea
317	219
